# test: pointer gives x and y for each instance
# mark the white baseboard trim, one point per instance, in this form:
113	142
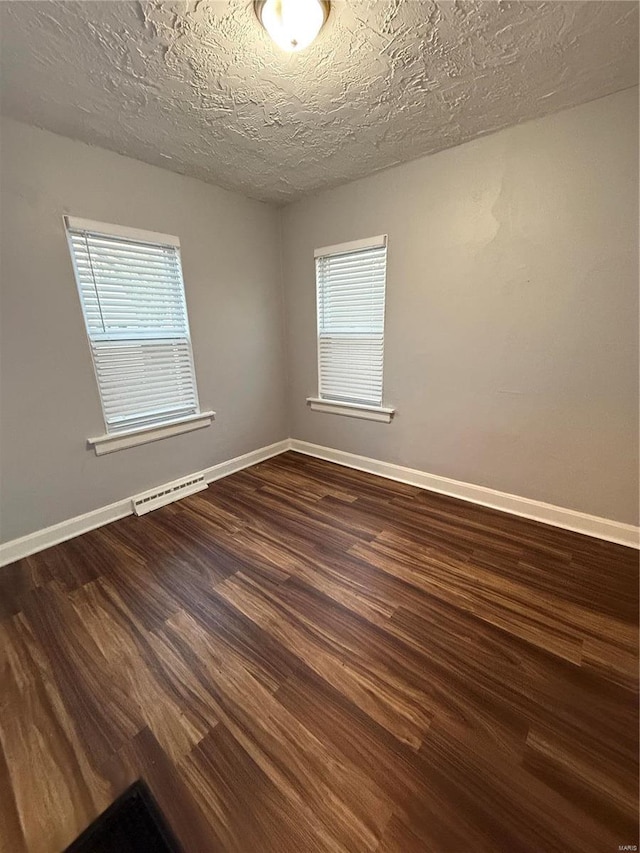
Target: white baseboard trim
568	519
16	549
223	469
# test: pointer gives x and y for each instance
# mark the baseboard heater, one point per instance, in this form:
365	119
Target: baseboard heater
168	493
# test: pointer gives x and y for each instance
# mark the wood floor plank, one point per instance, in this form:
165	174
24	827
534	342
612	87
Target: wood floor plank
262	656
12	838
504	806
399	839
125	646
401	771
144	757
90	687
304	658
495	599
345	801
396	703
245	808
16	580
57	788
585	776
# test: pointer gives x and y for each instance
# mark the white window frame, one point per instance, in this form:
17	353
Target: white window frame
120	439
365	411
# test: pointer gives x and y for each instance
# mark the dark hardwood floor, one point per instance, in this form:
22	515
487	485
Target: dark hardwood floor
309	658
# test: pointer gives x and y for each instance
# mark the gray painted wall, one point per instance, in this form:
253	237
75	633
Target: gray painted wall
512	309
49	402
512	316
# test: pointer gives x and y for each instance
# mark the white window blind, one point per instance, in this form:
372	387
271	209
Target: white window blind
350	281
132	295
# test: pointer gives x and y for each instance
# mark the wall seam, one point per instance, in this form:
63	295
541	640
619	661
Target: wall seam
284	325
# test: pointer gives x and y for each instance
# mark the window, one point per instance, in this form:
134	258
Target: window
132	295
350	282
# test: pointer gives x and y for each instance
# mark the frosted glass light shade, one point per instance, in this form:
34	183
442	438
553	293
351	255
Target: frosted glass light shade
292	24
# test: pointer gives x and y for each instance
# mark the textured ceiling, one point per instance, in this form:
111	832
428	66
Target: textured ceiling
199	88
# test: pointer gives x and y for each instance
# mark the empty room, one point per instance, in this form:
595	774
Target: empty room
319	426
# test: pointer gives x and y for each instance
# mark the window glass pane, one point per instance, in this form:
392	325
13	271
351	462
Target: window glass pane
133	299
351	299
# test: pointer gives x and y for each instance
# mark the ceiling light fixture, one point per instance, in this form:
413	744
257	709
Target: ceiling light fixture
292	24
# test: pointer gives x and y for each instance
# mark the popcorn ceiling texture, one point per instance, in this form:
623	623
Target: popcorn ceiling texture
199	88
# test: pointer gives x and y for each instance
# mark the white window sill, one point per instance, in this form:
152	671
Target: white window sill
381	414
120	440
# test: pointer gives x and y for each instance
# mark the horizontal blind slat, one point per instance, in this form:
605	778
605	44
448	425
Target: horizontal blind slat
87	244
143	414
127	274
138	389
124	404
